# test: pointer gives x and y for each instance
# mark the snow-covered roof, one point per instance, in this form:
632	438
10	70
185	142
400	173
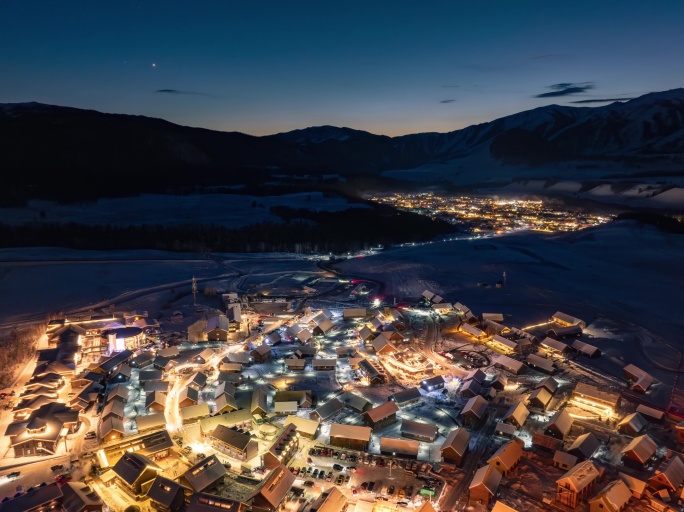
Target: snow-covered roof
670	472
567	319
382	411
504	428
642	448
650	412
365	333
540	395
457	440
295	362
635	421
585	348
540	362
508	454
564	458
638	487
416	428
505	342
495	317
403	446
304	335
562	422
613	497
487	477
472	330
477	375
509	364
470	387
217	322
350	432
381	342
518	413
586	444
580	476
304	426
556	345
500	506
596	394
476	406
549	383
644	382
428	294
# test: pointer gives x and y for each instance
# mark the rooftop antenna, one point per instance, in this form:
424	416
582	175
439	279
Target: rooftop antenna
194	291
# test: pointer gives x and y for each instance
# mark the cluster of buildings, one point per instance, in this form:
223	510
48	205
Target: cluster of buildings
493	215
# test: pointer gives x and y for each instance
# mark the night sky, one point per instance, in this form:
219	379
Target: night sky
394	67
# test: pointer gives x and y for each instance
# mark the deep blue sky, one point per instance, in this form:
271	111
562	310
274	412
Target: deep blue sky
388	67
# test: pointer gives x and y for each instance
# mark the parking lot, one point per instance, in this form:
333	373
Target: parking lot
363	476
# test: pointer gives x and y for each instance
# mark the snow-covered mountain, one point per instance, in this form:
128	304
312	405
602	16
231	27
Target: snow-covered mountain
46	148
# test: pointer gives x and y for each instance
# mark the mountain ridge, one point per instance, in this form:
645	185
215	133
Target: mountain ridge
50	149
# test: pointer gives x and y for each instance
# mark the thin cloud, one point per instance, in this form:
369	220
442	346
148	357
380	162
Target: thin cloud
447	101
178	91
451	86
549	56
609	100
566	89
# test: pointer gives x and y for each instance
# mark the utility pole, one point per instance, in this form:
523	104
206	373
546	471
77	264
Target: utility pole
504	279
194	291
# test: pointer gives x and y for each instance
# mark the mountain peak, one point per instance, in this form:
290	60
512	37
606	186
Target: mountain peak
319	134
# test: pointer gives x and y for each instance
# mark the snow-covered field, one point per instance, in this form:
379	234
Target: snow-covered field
232	210
643	195
623	278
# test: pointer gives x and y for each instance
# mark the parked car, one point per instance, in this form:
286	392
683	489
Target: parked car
91	435
337	467
57	467
309	483
13	475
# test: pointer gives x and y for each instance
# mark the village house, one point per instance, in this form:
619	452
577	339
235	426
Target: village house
517	414
539	399
203	502
639	451
350	436
234	443
577	484
327	410
112	428
669	475
584	446
474	411
470	388
455	446
560	424
166	495
205	475
506	458
612	498
135	473
261	353
399	447
433	384
283	447
418	431
483	486
305	428
271	495
563	460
